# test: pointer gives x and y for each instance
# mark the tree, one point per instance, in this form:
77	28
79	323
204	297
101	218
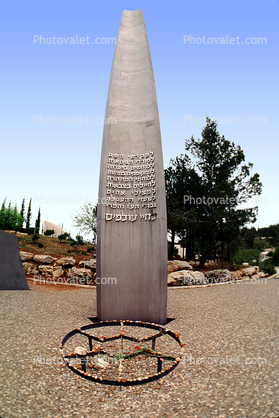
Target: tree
226	184
182	186
22	208
86	219
38	221
10	218
28	218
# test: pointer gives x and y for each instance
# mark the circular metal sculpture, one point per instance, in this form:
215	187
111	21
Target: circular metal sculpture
119	359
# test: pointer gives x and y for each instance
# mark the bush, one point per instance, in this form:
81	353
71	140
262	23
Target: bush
246	256
49	232
35	238
79	240
267	267
40	245
62	237
275	256
72	243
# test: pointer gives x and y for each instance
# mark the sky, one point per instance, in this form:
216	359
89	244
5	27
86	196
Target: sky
217	59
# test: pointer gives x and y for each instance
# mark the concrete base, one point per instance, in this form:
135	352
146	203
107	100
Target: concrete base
12	276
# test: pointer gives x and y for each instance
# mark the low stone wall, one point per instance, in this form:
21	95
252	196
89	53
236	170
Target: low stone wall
46	266
189	278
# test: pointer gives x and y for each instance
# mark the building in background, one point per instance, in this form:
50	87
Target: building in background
57	229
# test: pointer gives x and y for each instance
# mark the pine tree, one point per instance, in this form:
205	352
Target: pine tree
22	208
38	221
28	219
4	202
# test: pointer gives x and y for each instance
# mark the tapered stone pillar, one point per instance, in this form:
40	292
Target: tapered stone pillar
132	224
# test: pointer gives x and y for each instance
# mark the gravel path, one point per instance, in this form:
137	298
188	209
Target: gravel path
229	369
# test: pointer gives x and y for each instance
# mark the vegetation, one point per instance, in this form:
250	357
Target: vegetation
52	246
86	219
203	195
10	219
49	232
38	221
29	214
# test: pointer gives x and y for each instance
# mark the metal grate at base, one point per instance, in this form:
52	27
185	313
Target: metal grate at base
118	354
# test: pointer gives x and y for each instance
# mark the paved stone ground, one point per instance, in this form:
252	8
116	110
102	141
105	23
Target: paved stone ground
230	367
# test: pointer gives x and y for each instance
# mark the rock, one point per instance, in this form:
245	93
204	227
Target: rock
66	261
176	265
236	275
185	277
30	268
25	256
44	259
218	276
249	271
46	270
58	271
91	263
245	264
194	263
80	273
81	351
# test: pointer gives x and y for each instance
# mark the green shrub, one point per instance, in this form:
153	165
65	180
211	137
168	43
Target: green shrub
275	256
49	232
79	240
246	256
40	245
62	237
72	243
35	238
267	267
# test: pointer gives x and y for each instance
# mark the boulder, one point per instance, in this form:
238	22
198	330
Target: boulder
58	271
44	259
194	263
236	275
185	277
176	265
30	268
79	273
91	263
66	261
25	256
218	276
249	271
46	271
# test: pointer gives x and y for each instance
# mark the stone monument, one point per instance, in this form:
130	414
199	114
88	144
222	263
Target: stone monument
132	223
12	276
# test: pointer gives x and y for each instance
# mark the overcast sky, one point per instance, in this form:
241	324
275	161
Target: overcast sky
217	59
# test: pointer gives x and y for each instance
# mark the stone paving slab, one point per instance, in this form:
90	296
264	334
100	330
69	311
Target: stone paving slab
229	369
